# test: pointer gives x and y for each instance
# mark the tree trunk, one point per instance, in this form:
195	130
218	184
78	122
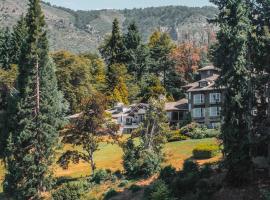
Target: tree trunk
92	163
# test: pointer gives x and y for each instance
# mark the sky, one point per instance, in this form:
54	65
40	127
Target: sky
121	4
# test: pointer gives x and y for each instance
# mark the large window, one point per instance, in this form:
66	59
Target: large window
198	112
214	111
198	99
215	97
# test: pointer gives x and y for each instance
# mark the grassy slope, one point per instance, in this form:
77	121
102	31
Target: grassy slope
109	157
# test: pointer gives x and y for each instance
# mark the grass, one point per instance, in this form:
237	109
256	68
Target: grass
110	157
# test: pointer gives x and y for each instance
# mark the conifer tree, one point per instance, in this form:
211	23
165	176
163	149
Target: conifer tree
5	50
18	38
161	46
138	54
113	49
232	55
38	114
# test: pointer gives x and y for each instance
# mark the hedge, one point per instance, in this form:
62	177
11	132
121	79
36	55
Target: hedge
204	151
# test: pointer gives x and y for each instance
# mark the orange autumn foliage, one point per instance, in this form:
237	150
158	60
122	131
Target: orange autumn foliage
186	58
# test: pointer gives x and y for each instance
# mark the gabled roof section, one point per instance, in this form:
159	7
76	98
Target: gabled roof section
177	106
193	87
207	68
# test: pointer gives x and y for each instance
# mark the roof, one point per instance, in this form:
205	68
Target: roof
210	67
177	106
193	87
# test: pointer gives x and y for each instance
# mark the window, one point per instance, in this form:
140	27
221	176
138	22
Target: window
215	124
198	98
215	97
203	84
214	111
198	112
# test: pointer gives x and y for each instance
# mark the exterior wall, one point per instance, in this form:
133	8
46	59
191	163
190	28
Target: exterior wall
208	73
207	119
176	116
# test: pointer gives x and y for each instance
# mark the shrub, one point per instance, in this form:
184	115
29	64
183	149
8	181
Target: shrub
195	131
100	175
174	136
123	183
167	174
204	151
69	191
185	184
190	167
134	188
206	171
158	191
110	193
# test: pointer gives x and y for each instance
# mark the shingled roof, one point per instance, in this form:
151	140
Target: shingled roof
177	106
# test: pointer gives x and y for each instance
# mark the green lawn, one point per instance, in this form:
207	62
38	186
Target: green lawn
109	157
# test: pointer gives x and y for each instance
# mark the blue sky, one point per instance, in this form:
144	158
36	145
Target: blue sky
121	4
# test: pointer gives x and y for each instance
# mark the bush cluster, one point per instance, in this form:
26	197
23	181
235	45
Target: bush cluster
71	191
205	151
196	131
175	135
190	183
158	191
101	175
110	193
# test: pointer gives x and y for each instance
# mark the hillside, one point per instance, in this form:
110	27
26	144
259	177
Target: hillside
80	31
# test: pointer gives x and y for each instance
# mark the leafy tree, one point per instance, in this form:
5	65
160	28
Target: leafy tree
87	131
38	115
187	59
232	55
74	78
154	128
152	88
145	159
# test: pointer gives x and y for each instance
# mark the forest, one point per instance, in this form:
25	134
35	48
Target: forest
54	111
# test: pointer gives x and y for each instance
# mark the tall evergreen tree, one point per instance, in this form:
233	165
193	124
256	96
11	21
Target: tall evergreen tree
114	52
5	50
38	115
19	35
138	54
113	49
161	47
232	55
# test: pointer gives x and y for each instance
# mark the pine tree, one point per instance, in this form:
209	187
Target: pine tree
161	46
18	38
138	54
38	115
113	49
5	50
232	55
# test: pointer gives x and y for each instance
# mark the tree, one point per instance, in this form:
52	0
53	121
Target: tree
154	128
138	54
39	110
19	35
161	46
145	159
152	88
5	50
187	59
232	55
87	131
74	78
113	49
118	86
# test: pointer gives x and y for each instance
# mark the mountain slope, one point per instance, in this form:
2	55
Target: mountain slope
80	31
